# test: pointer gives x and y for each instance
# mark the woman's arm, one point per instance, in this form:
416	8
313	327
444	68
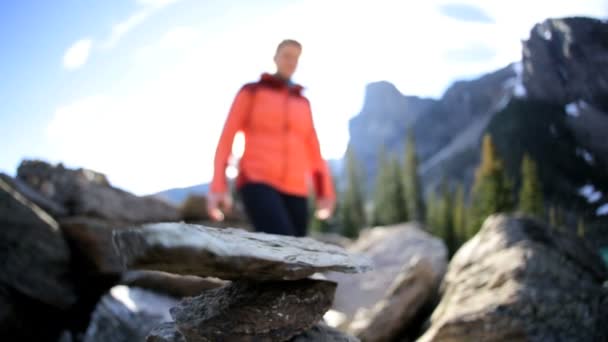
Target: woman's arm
234	123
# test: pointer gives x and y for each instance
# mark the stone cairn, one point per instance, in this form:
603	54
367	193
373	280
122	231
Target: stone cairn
274	292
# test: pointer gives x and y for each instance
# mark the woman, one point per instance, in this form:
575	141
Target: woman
282	155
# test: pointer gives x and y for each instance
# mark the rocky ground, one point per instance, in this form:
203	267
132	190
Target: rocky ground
71	274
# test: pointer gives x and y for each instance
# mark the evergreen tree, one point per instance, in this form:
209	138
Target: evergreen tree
445	217
352	214
400	203
492	190
459	216
580	229
389	201
411	181
433	220
556	217
531	194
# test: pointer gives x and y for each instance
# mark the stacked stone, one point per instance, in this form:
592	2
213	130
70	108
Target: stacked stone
271	295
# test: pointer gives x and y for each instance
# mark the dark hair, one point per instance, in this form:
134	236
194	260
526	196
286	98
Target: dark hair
289	42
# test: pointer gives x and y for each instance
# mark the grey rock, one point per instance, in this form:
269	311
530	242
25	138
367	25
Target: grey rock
54	209
253	311
34	257
88	193
23	318
170	284
91	242
411	290
324	333
566	60
66	336
590	128
128	314
518	279
230	253
166	332
408	263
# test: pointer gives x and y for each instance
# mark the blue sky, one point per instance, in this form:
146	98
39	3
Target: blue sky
139	89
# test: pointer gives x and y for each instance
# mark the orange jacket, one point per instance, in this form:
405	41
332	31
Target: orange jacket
281	144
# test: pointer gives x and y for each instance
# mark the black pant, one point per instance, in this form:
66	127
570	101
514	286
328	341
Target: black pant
271	211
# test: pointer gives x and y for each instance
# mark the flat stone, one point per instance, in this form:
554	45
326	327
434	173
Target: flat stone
228	253
252	311
170	284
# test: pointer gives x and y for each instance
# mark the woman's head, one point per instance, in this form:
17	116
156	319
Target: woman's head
286	57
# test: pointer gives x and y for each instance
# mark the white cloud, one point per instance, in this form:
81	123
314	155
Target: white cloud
122	28
77	55
158	134
156	3
148	7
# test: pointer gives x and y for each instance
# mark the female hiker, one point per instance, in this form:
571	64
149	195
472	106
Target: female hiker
281	157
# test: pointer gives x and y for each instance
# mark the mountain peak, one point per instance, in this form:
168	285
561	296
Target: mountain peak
566	60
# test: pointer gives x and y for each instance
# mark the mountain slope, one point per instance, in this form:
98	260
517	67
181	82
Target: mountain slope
551	105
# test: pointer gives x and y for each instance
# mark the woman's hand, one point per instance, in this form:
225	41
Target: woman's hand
216	202
325	208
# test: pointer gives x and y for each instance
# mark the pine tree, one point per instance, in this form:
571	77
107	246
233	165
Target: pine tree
433	220
459	216
389	200
445	217
580	229
381	190
492	190
352	214
411	181
531	194
401	207
556	217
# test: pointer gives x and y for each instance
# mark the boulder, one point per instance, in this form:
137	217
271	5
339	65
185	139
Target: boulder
406	298
253	311
230	253
518	279
90	240
34	257
409	264
88	193
54	209
128	314
25	319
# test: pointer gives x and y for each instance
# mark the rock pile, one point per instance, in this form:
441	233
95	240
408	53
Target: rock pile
270	297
